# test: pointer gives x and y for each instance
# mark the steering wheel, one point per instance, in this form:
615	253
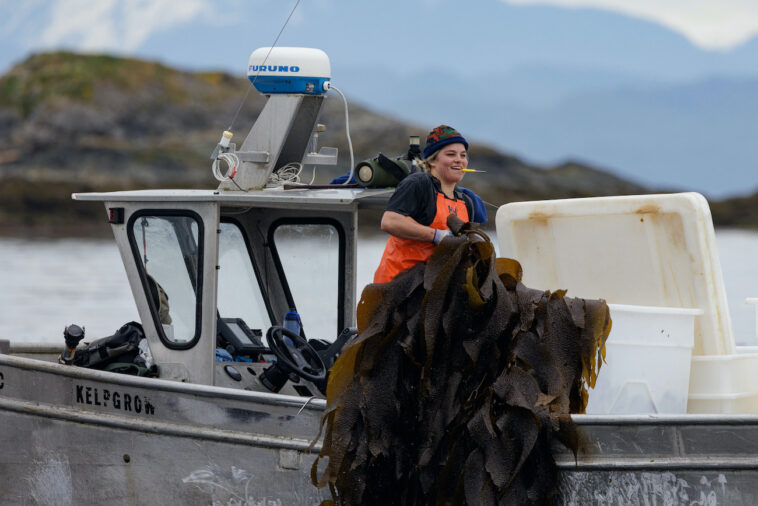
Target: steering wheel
294	354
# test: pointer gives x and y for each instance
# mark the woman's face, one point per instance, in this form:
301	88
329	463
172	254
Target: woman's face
448	164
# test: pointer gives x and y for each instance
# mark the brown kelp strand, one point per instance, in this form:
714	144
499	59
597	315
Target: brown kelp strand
458	382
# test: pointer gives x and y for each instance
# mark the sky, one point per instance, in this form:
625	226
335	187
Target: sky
709	24
94	26
124	26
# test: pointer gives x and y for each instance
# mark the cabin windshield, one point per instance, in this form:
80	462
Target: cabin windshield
240	293
311	256
167	253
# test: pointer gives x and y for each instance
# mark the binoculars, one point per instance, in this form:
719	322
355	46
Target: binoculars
383	171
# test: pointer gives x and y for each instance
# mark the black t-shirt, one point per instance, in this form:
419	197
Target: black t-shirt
416	196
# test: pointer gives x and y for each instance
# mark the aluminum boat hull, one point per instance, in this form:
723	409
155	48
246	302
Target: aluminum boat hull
77	436
68	437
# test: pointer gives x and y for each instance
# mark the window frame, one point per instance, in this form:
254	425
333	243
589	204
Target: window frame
179	213
342	245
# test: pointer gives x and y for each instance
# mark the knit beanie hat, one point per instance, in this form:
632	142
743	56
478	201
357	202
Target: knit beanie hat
441	137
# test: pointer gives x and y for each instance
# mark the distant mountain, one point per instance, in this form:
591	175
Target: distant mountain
72	122
696	135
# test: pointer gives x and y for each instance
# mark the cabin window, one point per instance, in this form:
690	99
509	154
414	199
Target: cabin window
311	256
239	291
169	256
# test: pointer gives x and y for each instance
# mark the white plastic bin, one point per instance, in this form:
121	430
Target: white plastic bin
648	250
647	367
724	384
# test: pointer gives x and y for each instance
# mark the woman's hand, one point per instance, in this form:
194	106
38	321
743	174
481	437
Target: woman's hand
406	227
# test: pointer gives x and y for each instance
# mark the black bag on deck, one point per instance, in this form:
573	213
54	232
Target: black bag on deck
123	346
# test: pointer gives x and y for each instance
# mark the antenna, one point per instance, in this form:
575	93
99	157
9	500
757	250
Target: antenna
244	98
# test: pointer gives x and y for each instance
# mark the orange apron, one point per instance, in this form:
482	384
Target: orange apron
401	254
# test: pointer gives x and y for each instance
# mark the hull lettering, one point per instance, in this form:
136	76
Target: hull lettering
2	381
120	401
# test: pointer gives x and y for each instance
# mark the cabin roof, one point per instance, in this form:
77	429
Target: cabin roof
331	196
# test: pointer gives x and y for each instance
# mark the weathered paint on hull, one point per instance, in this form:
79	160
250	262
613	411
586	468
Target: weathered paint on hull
643	488
57	462
674	459
76	436
61	443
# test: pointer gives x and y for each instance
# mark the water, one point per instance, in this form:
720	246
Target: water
48	284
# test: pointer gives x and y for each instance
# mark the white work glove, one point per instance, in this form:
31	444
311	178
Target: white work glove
439	235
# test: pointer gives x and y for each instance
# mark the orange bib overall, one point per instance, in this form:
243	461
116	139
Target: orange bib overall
401	254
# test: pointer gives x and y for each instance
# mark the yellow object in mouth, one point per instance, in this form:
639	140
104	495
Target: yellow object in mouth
472	170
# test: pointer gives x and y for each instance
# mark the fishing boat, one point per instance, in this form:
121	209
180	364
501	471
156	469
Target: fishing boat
229	393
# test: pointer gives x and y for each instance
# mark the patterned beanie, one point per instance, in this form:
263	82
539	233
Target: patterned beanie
441	137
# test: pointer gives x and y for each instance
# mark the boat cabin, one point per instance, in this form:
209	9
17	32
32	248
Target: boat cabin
213	271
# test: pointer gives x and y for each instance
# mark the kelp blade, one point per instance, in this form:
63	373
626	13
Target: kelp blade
458	382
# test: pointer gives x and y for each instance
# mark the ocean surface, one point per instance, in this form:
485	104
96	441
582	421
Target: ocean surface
48	284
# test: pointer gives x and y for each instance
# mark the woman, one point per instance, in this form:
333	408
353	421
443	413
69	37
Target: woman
416	214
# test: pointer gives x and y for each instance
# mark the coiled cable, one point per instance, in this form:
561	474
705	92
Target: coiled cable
232	162
288	174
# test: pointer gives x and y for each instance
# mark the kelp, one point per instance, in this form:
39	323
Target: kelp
458	382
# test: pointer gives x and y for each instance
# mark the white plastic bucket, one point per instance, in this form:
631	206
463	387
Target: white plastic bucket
647	367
